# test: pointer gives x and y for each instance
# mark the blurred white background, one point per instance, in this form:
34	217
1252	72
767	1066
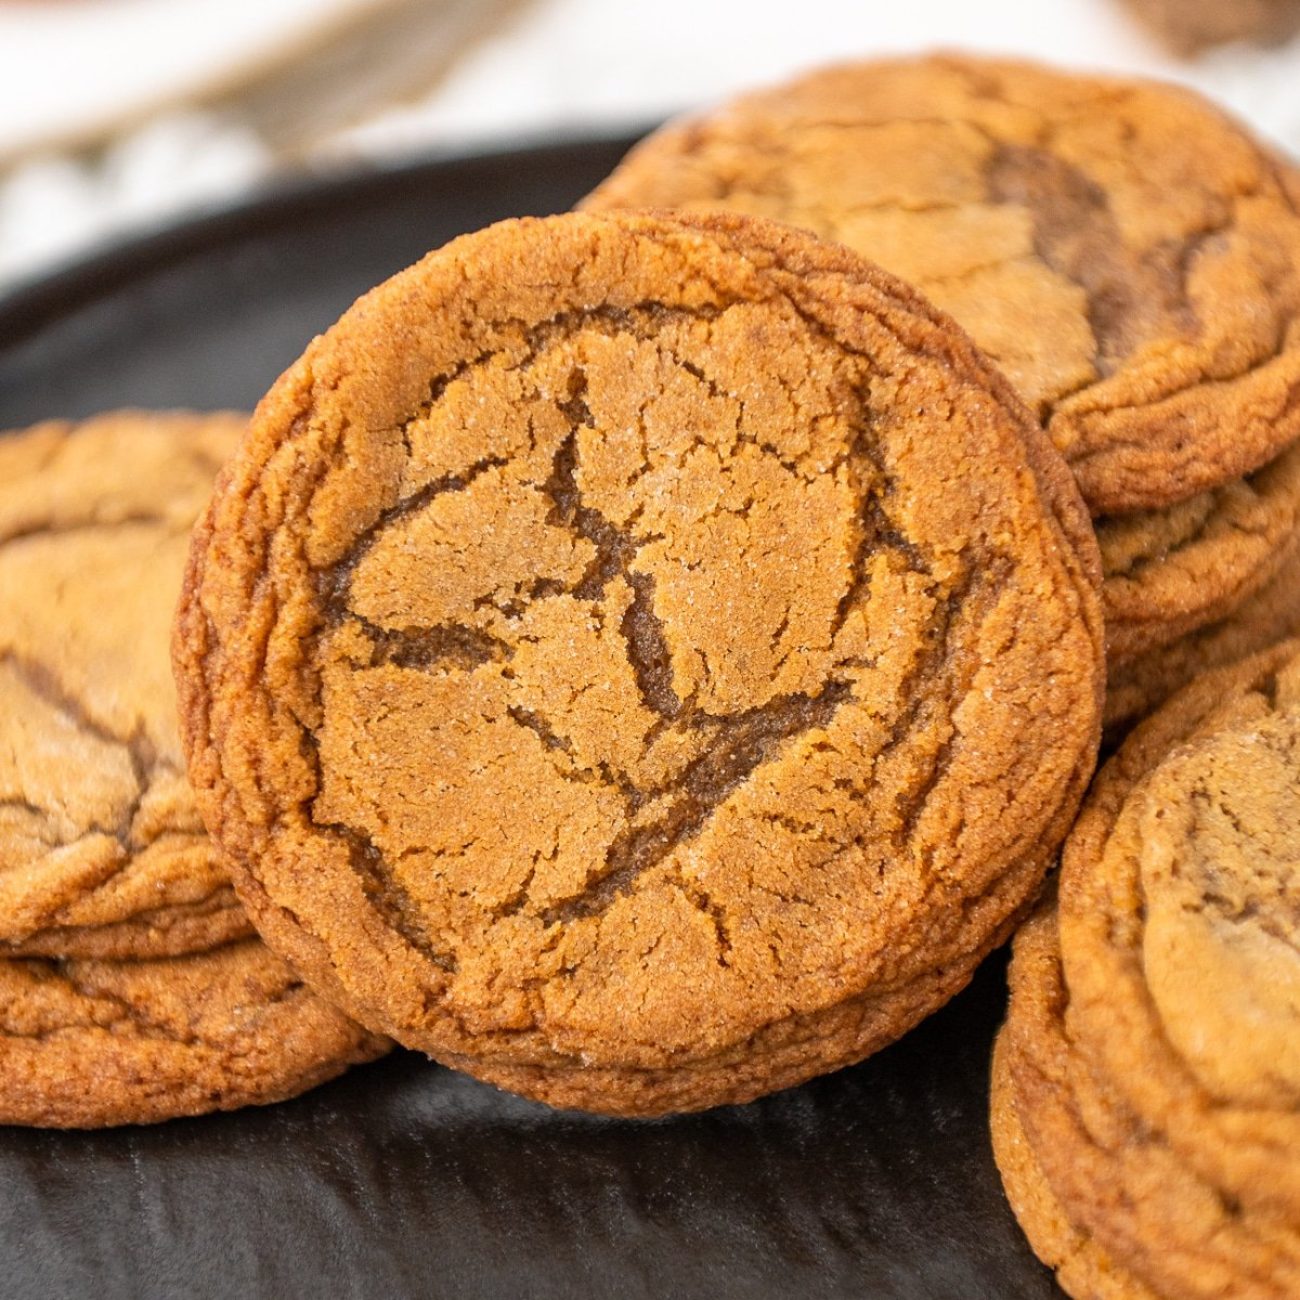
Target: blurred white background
118	115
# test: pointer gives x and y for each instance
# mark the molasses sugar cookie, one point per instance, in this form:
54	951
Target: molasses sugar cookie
102	851
1180	892
1105	1198
644	661
88	1044
1191	25
1172	571
1126	253
1272	614
1083	1267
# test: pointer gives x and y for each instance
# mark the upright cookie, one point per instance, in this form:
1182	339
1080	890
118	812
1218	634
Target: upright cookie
1271	615
102	852
1146	1107
1103	1196
609	660
1083	1267
1126	253
89	1044
1180	893
1170	572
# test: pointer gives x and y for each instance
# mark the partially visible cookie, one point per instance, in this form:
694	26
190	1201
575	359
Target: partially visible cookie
1170	572
607	662
102	851
1180	930
1104	1197
89	1044
1126	253
1271	615
1082	1266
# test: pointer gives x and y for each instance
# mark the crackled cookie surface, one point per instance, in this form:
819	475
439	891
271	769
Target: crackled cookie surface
643	661
1180	893
102	852
89	1044
1125	253
1172	571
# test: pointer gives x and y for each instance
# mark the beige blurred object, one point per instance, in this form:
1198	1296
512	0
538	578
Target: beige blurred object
1189	26
161	109
400	51
167	107
290	70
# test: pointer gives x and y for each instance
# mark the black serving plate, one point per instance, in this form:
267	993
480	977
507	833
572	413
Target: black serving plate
405	1179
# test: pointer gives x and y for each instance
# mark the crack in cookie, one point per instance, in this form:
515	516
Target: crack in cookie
102	853
741	744
1125	252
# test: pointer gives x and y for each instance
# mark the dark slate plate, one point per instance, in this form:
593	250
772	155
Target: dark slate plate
404	1179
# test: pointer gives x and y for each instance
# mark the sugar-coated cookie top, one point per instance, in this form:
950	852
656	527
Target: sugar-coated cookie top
1126	253
622	634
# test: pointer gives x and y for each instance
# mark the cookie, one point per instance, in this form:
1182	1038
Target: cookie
1271	615
102	851
1190	25
1170	572
1178	906
607	660
1125	253
89	1044
1082	1267
1104	1197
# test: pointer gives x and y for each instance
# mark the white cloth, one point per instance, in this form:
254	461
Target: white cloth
134	69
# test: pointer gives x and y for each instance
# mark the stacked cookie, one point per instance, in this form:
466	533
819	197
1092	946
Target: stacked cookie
641	660
1146	1098
131	988
1128	256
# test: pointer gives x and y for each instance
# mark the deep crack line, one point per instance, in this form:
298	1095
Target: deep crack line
1077	235
641	628
743	743
425	647
643	320
333	581
389	899
140	752
42	682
